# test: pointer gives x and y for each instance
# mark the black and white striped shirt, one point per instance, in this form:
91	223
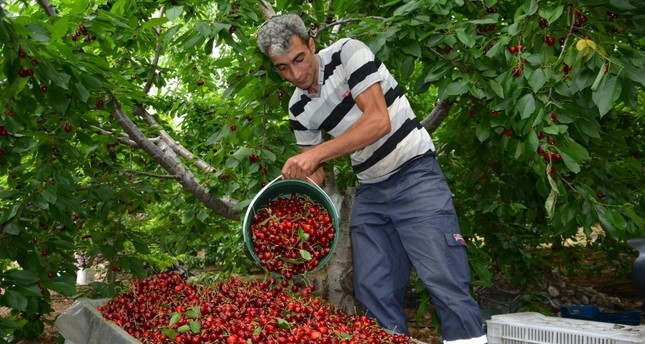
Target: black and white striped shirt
347	68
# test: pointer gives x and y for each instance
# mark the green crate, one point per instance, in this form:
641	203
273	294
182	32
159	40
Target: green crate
285	188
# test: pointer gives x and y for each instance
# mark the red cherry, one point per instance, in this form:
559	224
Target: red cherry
3	131
9	112
512	49
600	195
44	253
67	127
554	117
34	62
447	49
50	275
22	53
518	71
43	88
233	127
24	72
100	104
550	140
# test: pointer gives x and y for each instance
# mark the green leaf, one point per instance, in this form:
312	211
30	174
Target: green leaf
465	38
282	323
607	94
537	80
306	255
588	126
50	194
601	73
8	324
170	333
624	5
570	163
183	328
575	150
58	99
407	8
531	7
16	300
195	326
174	12
482	132
194	312
8	215
638	220
22	277
91	82
64	288
456	88
155	22
496	87
204	28
59	79
615	218
104	193
411	47
12	228
552	199
525	106
174	318
533	143
169	34
407	67
82	92
193	41
59	29
551	14
39	33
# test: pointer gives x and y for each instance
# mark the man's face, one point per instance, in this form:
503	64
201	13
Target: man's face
299	65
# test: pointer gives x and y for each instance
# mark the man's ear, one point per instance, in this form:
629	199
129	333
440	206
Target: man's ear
312	45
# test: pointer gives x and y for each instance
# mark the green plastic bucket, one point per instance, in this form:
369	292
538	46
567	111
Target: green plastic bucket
285	188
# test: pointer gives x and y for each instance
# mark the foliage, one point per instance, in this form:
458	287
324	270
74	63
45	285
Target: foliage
562	78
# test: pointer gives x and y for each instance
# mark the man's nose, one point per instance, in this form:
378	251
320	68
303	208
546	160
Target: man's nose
296	72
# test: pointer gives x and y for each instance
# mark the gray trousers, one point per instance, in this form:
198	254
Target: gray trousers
409	221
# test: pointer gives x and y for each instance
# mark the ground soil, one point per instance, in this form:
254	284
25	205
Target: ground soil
618	293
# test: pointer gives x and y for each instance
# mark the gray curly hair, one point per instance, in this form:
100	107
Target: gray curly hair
274	36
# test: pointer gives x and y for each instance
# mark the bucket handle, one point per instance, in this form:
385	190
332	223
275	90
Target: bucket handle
269	184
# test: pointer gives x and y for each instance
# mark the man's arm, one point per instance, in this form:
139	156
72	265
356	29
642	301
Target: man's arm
371	126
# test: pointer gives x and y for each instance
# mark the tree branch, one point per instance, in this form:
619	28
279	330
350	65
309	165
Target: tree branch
147	174
155	60
436	116
223	207
176	147
267	9
47	7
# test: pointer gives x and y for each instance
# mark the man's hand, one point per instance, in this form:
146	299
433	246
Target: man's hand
301	166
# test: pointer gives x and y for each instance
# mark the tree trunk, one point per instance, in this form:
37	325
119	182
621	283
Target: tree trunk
335	281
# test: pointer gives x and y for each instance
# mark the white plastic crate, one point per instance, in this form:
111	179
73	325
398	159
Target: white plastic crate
536	328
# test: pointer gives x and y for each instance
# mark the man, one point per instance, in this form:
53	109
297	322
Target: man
403	215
